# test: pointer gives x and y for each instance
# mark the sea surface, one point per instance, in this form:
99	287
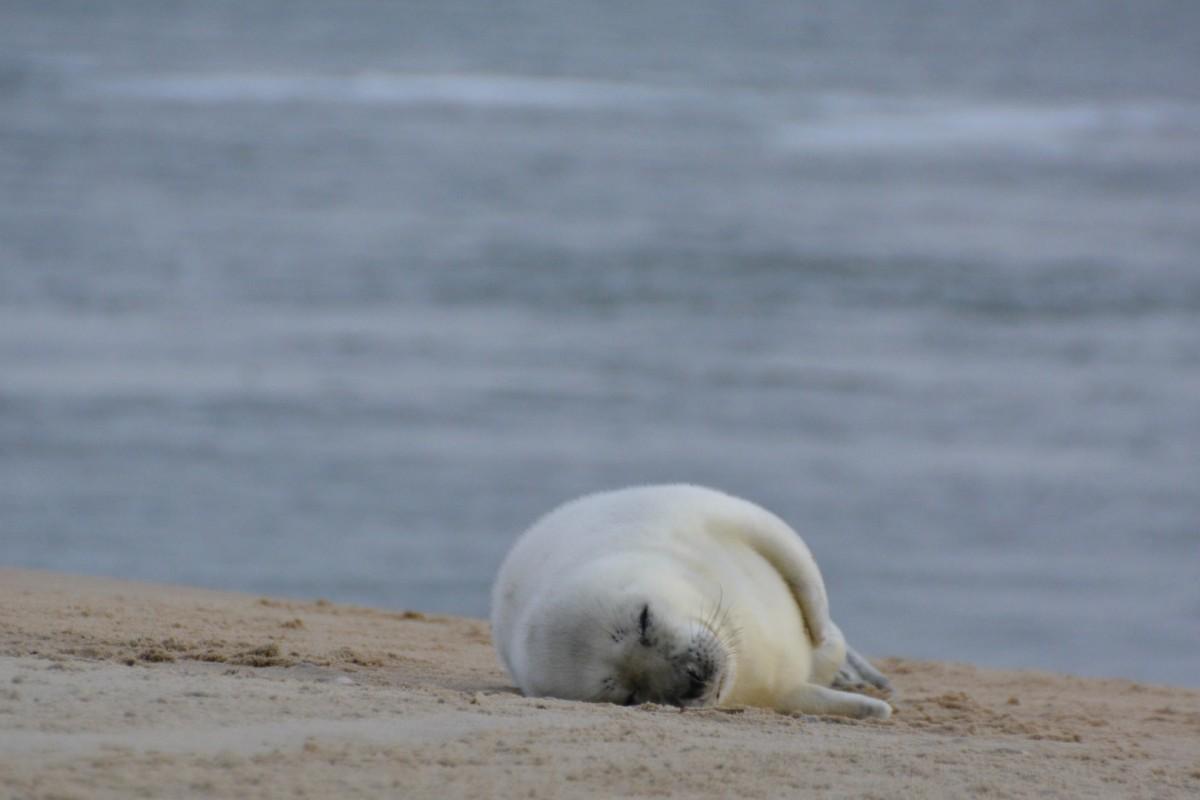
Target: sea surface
333	299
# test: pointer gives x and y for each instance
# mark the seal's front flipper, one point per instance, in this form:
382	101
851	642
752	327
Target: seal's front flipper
784	550
858	673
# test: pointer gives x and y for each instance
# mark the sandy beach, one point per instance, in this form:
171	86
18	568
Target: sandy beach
118	689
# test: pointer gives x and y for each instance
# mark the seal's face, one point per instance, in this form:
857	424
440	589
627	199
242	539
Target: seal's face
652	658
626	631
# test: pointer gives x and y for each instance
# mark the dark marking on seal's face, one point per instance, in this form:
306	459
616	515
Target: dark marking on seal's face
644	626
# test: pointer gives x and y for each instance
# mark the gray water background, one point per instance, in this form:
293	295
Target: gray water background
333	299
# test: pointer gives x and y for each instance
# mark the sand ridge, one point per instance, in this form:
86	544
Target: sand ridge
115	689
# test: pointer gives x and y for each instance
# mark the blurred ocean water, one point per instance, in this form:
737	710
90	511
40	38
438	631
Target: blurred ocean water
334	299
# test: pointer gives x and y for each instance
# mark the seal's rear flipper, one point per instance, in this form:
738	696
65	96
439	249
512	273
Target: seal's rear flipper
857	673
812	699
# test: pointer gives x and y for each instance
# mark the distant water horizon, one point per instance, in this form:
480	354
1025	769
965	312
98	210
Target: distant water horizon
335	303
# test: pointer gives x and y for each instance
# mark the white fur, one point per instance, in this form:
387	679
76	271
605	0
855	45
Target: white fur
729	591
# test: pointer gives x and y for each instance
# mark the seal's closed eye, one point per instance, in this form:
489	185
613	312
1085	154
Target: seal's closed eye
643	625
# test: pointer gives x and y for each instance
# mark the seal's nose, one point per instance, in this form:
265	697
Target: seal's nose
697	683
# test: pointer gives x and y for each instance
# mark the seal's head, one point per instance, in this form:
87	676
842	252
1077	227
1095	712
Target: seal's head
654	657
637	646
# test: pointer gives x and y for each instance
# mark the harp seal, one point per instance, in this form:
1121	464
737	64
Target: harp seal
679	595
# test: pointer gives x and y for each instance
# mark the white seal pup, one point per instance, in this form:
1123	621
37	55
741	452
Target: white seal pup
674	594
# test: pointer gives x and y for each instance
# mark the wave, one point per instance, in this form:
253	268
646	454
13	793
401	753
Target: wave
887	127
827	123
391	89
